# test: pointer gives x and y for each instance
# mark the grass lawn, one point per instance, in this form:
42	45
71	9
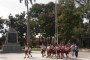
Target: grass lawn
36	49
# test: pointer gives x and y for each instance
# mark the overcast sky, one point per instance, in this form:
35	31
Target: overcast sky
14	7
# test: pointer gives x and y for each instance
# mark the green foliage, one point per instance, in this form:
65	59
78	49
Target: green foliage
1	23
45	17
34	27
36	10
2	29
36	49
20	24
69	22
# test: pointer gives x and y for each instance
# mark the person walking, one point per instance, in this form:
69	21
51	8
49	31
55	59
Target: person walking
26	51
76	50
43	49
73	49
29	51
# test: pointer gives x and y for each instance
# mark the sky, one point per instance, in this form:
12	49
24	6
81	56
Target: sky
15	7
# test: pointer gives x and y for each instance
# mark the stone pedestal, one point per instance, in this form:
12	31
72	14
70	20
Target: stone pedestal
11	47
11	43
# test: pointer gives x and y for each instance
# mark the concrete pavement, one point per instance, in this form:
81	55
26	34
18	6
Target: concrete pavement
37	56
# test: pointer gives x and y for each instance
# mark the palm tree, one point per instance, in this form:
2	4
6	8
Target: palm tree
27	1
28	25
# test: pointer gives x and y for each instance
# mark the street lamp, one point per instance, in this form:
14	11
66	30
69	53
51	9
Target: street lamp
56	22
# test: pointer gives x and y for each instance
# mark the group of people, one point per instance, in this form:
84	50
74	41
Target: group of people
59	50
55	50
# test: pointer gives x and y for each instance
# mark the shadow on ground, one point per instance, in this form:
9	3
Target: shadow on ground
71	59
3	58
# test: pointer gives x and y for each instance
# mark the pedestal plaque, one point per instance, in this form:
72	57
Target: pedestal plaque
11	43
12	37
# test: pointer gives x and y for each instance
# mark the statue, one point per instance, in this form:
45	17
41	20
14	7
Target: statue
12	21
11	43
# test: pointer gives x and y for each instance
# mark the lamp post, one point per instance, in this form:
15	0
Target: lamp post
56	23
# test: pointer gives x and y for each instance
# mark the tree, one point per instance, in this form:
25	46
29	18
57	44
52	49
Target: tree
44	13
28	33
66	2
44	16
20	24
34	27
1	23
26	1
69	19
2	29
85	4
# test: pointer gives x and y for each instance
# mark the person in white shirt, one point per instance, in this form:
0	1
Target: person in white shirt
26	51
72	49
76	50
29	50
43	49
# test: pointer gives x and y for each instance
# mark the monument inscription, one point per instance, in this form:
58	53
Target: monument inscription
12	37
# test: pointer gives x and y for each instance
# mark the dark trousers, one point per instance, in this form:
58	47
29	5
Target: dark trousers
76	53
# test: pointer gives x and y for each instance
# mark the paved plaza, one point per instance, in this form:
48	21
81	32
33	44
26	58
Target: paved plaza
37	56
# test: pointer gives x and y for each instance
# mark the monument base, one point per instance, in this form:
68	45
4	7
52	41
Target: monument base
11	47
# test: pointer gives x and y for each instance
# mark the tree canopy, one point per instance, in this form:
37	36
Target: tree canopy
42	20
